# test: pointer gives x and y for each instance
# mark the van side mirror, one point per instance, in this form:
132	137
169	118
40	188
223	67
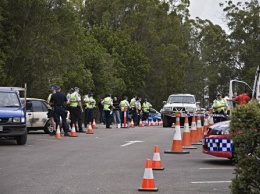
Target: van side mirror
164	102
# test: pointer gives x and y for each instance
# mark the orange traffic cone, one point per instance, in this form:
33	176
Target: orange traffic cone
140	123
193	131
94	126
156	163
206	124
58	135
186	142
199	129
161	123
177	141
132	124
147	123
89	131
148	183
152	123
73	131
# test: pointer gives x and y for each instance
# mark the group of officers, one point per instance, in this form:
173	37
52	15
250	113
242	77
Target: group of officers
60	104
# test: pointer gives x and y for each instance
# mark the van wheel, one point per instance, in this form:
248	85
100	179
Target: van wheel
48	128
21	140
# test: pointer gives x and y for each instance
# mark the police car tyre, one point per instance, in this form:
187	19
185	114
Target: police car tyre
21	140
167	121
48	128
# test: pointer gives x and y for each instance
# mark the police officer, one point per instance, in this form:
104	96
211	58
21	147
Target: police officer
124	104
146	108
132	107
51	113
59	101
76	109
90	106
107	107
138	111
220	106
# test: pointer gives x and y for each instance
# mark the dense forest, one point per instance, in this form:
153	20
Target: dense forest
146	47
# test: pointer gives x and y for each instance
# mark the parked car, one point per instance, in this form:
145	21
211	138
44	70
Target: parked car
36	115
217	142
154	115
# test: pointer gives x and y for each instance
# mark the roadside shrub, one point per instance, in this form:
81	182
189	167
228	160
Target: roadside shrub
245	133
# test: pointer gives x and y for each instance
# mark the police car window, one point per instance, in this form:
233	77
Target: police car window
37	106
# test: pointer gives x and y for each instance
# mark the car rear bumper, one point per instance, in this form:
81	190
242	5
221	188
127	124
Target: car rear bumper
219	154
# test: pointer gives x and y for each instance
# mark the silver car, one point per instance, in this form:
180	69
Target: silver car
36	115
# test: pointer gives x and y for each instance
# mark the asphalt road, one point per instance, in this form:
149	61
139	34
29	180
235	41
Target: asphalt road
110	161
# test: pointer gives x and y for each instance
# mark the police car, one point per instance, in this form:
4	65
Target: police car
217	141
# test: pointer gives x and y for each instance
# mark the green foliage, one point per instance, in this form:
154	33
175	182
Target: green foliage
245	129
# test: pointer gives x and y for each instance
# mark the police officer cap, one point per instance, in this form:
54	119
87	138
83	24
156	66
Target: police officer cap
108	94
71	89
125	97
57	87
53	87
76	88
219	94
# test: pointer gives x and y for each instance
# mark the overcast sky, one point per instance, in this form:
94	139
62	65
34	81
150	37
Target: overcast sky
208	9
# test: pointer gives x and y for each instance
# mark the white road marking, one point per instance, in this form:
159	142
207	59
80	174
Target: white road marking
203	182
130	142
216	168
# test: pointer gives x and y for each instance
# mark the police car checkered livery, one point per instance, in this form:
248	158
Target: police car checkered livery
217	141
219	145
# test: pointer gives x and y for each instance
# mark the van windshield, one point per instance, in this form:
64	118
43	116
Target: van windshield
181	99
8	99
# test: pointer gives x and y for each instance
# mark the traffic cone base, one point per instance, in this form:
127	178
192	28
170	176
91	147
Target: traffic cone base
148	183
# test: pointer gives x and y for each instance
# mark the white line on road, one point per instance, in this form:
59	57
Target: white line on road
216	168
203	182
130	142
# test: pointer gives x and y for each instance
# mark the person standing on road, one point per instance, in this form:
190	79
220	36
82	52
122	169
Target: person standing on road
51	113
138	111
90	106
59	101
107	107
124	105
132	107
116	112
146	108
76	109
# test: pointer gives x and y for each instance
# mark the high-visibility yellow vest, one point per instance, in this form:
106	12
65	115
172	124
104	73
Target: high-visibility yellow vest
146	106
73	100
123	104
132	102
107	103
91	103
221	102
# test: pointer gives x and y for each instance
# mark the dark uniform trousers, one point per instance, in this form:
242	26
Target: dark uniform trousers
76	116
61	112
